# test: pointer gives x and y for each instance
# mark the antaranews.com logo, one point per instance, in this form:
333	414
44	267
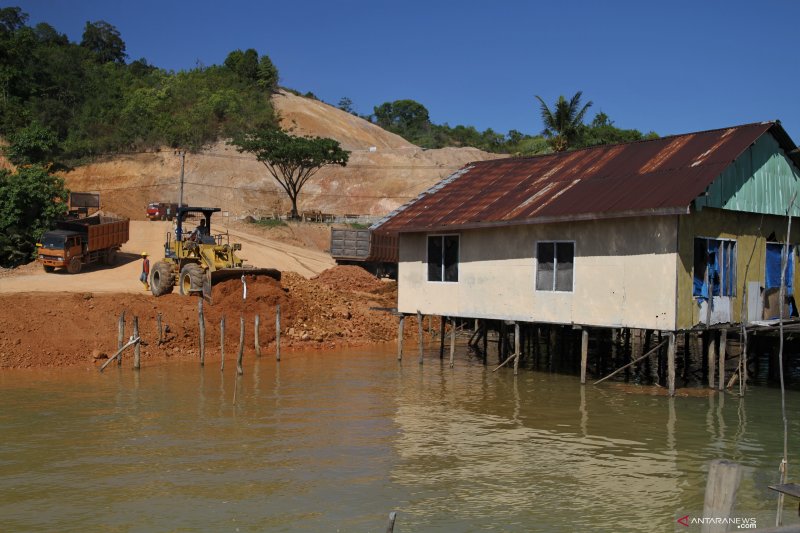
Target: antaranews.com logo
733	522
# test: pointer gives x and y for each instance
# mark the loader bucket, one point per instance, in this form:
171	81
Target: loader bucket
223	274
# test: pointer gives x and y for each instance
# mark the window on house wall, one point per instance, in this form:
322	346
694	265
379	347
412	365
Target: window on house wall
554	266
714	267
443	258
773	267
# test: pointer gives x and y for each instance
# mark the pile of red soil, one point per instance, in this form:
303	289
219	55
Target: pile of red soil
338	308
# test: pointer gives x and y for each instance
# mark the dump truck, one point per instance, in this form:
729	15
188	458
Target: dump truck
371	249
195	261
161	211
82	241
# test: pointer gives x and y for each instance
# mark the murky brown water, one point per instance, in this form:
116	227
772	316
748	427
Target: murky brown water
336	441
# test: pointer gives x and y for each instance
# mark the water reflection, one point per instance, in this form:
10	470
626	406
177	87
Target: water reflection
337	440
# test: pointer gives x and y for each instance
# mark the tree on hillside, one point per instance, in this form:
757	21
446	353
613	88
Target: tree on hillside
104	40
346	105
267	74
31	200
404	117
291	160
244	64
563	123
34	144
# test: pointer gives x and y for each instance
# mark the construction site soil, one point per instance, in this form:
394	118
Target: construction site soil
343	306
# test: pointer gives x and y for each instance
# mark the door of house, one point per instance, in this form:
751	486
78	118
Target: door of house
714	279
772	281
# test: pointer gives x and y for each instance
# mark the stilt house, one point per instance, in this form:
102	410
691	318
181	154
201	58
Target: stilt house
665	234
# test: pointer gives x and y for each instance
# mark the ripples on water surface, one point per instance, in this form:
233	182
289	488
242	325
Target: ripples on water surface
335	441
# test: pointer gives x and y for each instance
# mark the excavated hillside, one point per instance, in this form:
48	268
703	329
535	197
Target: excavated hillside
384	171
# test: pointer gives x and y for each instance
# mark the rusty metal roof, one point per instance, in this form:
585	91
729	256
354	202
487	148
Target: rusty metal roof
659	176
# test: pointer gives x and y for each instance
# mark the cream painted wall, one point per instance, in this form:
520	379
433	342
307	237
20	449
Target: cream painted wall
625	275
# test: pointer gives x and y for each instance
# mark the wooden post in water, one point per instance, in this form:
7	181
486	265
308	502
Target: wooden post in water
222	344
390	524
278	332
239	369
400	332
120	336
671	363
584	353
452	341
723	341
137	350
712	358
255	333
202	319
419	334
160	330
721	488
516	348
441	337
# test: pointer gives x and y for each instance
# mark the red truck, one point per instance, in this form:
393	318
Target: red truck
79	242
161	211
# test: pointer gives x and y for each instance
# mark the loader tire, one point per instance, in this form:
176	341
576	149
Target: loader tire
162	279
191	279
74	265
48	268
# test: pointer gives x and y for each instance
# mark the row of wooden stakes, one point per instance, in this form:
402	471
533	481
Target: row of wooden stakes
135	339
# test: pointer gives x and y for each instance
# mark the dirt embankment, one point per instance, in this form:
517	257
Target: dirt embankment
328	311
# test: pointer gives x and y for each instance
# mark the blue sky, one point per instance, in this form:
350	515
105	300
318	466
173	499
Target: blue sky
670	67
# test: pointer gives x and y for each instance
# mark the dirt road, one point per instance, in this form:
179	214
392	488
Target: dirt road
149	237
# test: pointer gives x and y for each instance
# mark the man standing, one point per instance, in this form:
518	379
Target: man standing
145	271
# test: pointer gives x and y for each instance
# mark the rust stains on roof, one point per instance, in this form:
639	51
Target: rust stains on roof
659	176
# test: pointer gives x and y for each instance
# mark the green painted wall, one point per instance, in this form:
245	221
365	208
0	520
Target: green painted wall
761	180
750	232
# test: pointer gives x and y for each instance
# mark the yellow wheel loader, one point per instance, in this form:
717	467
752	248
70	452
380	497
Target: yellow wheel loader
196	260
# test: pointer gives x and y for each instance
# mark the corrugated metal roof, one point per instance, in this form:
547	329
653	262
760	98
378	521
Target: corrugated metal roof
660	176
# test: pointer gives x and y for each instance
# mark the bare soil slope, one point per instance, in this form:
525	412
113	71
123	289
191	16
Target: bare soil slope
384	171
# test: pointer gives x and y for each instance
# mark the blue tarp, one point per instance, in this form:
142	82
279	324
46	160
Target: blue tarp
773	278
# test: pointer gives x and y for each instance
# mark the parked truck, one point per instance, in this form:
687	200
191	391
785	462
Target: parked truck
82	241
161	211
371	249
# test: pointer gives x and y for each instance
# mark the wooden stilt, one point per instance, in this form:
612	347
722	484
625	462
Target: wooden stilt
723	342
239	369
516	348
400	328
222	344
160	329
120	336
452	341
137	350
721	487
485	341
441	337
712	358
257	344
278	332
419	335
202	322
584	353
671	363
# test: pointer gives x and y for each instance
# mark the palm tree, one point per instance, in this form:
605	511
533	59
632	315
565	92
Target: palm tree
562	125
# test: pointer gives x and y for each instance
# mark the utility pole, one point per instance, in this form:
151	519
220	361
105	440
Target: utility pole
183	158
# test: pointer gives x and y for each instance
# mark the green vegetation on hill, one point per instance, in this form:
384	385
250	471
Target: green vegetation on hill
411	120
78	100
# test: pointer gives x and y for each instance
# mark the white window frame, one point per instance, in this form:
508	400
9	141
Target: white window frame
555	264
427	258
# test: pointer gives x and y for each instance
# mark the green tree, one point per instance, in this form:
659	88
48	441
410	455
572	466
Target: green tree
291	160
404	117
346	105
32	144
31	200
267	74
244	64
104	40
563	123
